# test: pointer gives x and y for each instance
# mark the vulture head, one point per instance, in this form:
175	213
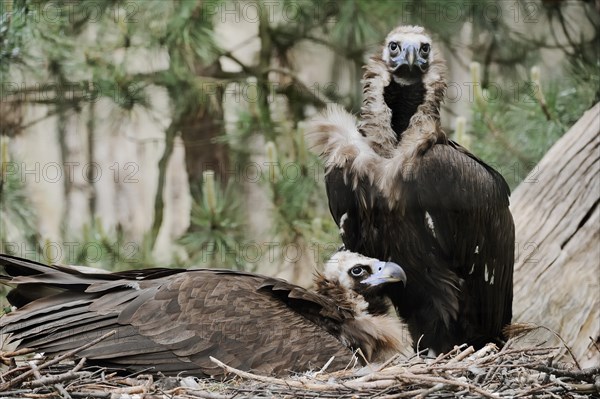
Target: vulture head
360	283
361	286
407	52
403	87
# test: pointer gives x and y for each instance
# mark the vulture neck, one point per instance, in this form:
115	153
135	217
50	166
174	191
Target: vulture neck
379	335
403	102
388	107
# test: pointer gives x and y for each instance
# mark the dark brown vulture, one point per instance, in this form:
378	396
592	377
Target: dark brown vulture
400	190
172	320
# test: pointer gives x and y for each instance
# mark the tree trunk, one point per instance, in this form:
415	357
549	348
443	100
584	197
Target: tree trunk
557	259
200	127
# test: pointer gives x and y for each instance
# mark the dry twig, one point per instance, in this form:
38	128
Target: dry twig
56	360
463	372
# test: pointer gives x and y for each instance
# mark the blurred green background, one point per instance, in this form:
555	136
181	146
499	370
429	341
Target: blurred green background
152	133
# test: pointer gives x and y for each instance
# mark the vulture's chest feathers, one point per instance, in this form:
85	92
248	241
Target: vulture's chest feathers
403	101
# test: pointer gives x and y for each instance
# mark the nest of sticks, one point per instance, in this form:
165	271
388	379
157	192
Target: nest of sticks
510	372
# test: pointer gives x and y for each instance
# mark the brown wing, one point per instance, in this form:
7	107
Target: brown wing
174	322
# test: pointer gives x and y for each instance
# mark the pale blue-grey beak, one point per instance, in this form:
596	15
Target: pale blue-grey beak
385	272
407	56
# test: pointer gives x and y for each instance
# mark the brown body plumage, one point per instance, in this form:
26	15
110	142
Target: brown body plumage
171	320
400	190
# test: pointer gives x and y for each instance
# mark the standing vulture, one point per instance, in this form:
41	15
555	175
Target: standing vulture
400	190
172	320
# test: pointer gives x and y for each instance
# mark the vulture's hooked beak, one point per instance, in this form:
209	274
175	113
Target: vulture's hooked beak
385	272
407	57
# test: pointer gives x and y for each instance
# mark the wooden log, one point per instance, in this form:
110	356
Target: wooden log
557	266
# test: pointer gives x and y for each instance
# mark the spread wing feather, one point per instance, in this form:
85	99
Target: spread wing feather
173	320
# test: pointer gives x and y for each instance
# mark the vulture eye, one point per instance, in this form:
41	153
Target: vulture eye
393	47
425	49
357	271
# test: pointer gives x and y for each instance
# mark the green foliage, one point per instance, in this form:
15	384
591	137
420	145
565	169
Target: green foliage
18	222
190	38
291	197
298	198
13	34
214	237
513	132
239	137
110	251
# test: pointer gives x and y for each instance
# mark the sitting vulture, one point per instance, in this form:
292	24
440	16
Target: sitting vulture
172	320
400	190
